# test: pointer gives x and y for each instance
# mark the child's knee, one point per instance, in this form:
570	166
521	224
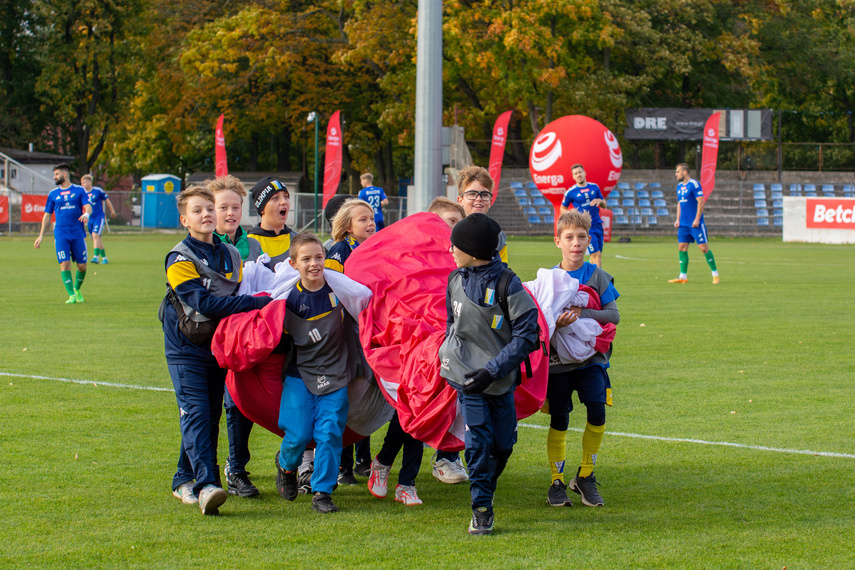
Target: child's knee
596	413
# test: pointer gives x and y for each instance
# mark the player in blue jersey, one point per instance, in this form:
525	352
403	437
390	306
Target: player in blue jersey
690	223
72	208
375	196
97	197
586	197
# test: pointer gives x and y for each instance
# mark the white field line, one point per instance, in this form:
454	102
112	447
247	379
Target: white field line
531	426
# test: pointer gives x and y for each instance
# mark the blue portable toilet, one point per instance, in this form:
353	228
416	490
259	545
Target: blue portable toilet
159	192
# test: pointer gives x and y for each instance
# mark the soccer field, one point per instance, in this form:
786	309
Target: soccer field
730	443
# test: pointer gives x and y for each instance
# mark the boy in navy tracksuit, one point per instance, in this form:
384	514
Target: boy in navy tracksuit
481	355
203	276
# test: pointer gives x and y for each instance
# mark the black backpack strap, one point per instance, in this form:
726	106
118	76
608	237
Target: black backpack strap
502	286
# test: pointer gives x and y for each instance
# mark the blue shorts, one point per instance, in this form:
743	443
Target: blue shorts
596	240
70	250
378	224
96	225
688	234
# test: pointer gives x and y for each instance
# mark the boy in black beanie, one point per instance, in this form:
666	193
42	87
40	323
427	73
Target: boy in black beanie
272	200
481	355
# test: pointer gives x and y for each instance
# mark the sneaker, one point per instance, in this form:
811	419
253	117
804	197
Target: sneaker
345	477
586	487
286	482
78	295
322	502
186	494
104	260
678	280
450	472
304	481
482	521
239	484
96	260
379	479
362	469
210	499
407	494
557	495
715	280
71	300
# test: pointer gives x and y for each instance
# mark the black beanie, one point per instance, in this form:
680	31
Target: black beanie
264	189
335	204
476	235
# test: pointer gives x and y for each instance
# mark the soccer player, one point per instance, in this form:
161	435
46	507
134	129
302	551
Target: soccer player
97	197
375	196
586	197
690	223
72	208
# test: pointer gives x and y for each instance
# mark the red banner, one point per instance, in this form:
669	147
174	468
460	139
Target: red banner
710	155
607	216
222	166
830	213
4	209
497	150
332	163
33	207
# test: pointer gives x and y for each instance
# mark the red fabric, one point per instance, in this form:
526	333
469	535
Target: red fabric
332	162
605	338
4	209
221	166
497	150
710	156
33	207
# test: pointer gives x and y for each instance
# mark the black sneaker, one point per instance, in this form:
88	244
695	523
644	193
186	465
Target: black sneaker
557	495
322	502
482	521
239	484
362	469
286	482
345	477
586	487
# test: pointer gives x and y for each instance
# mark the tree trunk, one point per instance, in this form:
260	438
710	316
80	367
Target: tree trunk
517	147
532	116
390	186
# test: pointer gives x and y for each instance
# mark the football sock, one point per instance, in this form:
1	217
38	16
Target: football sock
591	440
684	262
66	280
103	252
710	259
556	452
78	282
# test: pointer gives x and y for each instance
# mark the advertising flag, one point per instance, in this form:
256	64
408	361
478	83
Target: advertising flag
497	150
222	167
332	163
4	209
710	154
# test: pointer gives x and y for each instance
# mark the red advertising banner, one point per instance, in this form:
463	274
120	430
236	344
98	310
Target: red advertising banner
497	150
830	213
33	207
222	165
4	209
332	163
607	217
710	154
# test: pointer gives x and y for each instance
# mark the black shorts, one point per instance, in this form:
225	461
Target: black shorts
592	384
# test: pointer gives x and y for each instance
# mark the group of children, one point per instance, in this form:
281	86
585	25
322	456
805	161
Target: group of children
486	341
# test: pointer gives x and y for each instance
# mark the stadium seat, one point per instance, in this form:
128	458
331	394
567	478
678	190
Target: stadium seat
760	204
662	212
810	190
777	203
660	203
778	221
628	202
536	193
762	221
632	211
636	220
640	185
654	185
540	201
516	185
534	219
531	186
644	203
642	194
617	211
778	212
612	202
614	193
848	191
776	188
652	221
828	190
657	194
520	193
762	213
544	211
623	220
623	185
529	210
647	211
759	195
759	188
525	202
795	189
628	194
548	220
777	195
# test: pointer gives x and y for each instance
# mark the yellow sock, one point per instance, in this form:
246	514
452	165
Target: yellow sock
591	440
556	452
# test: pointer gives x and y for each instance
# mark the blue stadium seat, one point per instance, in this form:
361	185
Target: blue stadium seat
660	203
617	211
760	204
640	185
848	191
612	202
643	194
777	203
759	188
776	188
828	189
647	211
622	220
531	186
520	193
762	213
777	195
662	212
529	210
548	220
762	221
534	219
632	211
654	185
778	212
795	189
623	185
540	202
525	202
628	194
759	195
536	193
810	190
614	193
636	220
657	194
644	203
652	221
516	185
544	211
778	221
628	202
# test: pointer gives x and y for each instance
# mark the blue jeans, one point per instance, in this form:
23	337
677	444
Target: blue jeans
304	417
239	428
199	392
491	432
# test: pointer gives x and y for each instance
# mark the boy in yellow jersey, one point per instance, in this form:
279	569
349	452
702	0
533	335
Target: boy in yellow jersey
272	201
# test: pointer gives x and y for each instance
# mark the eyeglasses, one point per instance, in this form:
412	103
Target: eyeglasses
472	195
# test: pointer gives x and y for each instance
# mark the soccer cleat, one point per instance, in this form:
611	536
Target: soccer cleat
71	300
78	295
184	491
557	495
407	494
104	260
322	502
96	260
379	479
482	521
239	484
450	472
345	477
586	487
210	499
715	280
678	280
286	482
362	469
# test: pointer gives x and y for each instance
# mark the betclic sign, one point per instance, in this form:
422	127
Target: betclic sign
830	213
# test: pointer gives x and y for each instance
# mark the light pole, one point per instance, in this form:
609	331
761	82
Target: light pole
313	118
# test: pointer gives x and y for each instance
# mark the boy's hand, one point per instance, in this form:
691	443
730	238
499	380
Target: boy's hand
477	381
565	319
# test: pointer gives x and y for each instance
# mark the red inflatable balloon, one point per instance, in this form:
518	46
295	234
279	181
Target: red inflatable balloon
570	140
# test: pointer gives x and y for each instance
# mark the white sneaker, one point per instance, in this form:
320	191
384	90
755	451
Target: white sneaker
185	493
407	494
210	499
379	479
450	472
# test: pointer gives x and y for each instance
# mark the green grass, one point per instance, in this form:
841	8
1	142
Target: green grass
764	359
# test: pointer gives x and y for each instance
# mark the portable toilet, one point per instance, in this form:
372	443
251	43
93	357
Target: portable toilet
159	209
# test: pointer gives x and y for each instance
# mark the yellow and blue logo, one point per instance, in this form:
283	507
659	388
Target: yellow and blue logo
497	321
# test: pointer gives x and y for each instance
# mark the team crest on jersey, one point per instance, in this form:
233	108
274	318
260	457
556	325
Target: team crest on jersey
490	296
333	300
322	382
497	321
444	364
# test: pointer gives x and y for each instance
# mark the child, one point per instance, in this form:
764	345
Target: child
450	212
314	402
97	198
330	210
203	276
229	193
481	355
589	378
272	201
